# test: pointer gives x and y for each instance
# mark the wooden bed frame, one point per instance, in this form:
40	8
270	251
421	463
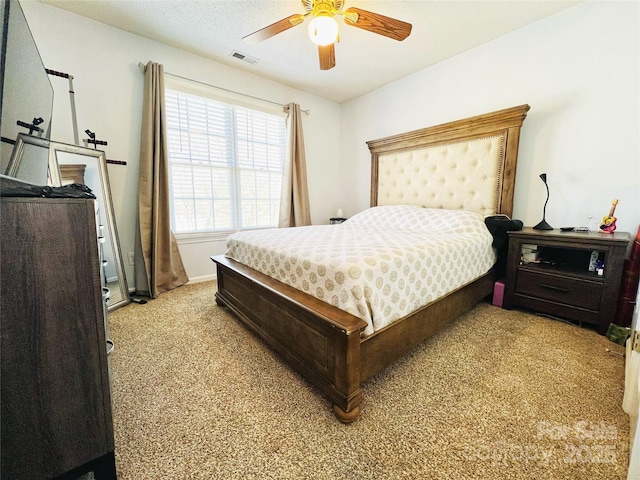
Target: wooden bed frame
324	343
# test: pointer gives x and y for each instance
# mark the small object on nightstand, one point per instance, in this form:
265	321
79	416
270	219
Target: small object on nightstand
529	253
592	261
599	267
609	222
339	218
567	229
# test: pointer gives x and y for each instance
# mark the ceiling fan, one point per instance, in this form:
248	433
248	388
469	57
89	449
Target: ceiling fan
323	28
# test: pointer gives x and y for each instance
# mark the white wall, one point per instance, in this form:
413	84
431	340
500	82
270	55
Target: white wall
579	72
108	93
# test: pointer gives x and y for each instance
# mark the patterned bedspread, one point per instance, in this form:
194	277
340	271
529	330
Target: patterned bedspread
379	265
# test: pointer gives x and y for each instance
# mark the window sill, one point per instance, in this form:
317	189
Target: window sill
205	237
202	237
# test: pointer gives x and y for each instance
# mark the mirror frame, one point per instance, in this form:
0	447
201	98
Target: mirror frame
55	180
101	159
17	155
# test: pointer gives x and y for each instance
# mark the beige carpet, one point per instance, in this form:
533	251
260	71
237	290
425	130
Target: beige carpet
498	395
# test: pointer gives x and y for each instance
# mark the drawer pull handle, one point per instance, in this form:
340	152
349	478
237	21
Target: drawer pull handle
557	289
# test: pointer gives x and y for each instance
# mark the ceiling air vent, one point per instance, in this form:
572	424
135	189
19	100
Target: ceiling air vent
243	57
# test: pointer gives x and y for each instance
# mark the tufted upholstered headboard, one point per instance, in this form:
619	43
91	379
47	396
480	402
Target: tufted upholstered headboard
468	164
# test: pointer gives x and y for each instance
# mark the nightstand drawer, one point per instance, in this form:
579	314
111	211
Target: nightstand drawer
570	291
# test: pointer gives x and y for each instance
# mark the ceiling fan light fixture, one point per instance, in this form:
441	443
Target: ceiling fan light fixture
323	27
323	30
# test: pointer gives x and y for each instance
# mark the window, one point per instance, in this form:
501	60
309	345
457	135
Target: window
225	164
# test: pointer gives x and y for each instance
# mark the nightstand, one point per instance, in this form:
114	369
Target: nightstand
555	272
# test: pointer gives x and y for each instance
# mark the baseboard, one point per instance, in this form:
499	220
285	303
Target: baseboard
203	278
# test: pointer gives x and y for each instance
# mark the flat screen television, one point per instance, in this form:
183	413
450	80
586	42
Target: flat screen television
26	93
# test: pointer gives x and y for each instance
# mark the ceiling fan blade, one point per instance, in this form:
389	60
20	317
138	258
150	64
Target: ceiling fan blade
376	23
273	29
327	56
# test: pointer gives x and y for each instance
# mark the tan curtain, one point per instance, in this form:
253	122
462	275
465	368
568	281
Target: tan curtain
158	265
294	202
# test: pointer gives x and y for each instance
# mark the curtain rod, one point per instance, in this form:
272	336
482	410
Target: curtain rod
143	68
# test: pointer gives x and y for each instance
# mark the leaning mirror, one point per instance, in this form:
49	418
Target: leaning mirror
89	167
26	94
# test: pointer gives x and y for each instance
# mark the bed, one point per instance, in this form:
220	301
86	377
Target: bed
466	165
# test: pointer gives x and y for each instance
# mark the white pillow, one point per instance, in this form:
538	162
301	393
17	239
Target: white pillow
414	218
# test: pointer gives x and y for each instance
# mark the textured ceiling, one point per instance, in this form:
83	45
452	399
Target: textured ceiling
364	61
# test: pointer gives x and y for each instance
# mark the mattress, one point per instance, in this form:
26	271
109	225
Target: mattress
380	265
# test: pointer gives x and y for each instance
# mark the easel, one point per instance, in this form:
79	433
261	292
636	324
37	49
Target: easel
73	101
33	126
92	139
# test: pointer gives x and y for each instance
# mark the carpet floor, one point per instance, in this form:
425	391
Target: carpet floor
497	395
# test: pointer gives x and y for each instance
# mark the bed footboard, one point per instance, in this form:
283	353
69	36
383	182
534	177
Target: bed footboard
316	339
385	346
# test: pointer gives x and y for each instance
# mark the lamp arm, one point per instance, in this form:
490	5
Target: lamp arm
544	209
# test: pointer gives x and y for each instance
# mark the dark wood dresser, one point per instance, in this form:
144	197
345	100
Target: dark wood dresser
55	390
573	275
